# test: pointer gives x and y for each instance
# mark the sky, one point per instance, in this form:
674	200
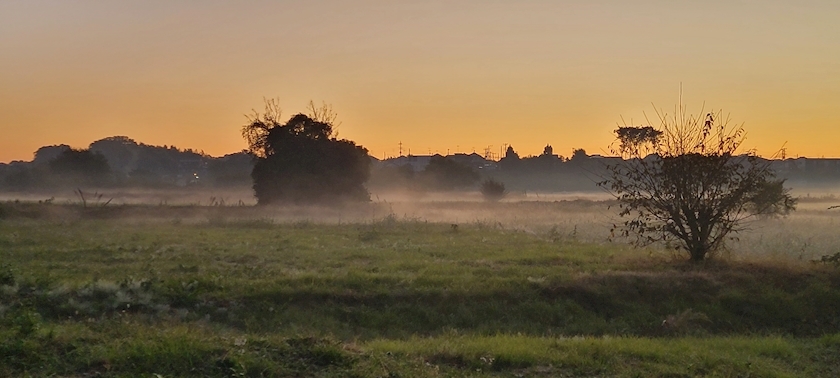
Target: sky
437	76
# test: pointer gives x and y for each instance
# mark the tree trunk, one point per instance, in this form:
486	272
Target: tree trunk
698	254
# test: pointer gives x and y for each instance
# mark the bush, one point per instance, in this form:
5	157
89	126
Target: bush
493	190
7	275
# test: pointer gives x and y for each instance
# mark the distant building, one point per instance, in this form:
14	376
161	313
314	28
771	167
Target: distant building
474	161
416	162
419	162
819	168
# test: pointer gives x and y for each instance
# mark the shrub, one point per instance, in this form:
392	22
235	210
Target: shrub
7	275
493	190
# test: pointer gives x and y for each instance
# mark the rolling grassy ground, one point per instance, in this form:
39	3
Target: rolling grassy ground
135	291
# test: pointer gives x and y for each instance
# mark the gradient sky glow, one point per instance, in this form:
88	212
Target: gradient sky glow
437	75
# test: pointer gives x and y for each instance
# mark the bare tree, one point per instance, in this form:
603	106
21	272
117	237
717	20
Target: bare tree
323	113
255	132
688	181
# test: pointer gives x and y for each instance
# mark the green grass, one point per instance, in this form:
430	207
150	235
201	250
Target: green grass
624	356
233	295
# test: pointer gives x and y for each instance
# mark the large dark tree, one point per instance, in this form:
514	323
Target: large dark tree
688	182
301	161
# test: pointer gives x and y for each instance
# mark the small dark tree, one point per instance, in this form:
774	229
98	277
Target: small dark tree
578	155
301	161
548	150
687	182
493	190
632	137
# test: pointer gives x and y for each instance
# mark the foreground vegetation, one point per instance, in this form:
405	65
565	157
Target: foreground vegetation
90	292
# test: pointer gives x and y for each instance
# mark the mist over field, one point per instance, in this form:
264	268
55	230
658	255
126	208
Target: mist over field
438	284
805	235
439	266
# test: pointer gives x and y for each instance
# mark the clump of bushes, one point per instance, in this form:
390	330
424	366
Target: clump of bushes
493	190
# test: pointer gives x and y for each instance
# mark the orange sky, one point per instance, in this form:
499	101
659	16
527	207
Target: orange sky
437	75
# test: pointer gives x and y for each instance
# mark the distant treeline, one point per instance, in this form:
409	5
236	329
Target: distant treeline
549	172
121	162
545	172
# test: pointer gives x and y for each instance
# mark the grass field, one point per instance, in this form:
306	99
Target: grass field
399	290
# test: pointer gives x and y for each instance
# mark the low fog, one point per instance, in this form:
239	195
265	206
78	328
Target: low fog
577	217
547	195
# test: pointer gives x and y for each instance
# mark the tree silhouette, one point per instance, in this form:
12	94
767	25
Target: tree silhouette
686	182
548	150
232	169
631	137
120	151
80	167
18	178
445	173
578	155
493	190
301	161
47	153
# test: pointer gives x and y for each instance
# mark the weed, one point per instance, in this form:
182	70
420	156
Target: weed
7	275
830	259
368	235
95	199
389	220
685	322
26	322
